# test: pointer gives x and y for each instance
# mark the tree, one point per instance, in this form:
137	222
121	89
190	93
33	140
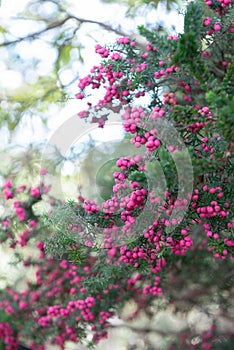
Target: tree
47	79
53	27
165	237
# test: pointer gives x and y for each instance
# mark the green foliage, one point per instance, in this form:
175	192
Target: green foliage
104	178
102	262
193	19
225	104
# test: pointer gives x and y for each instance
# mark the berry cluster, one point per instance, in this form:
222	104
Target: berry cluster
154	238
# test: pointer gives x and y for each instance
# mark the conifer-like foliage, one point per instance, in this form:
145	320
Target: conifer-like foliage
165	234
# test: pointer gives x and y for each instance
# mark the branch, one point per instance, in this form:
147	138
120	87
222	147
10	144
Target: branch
101	24
59	24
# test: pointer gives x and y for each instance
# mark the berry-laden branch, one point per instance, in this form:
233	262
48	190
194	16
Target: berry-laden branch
165	234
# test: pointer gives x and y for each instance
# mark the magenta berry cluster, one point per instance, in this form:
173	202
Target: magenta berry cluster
154	241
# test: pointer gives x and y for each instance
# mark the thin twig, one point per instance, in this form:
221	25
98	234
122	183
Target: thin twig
59	24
